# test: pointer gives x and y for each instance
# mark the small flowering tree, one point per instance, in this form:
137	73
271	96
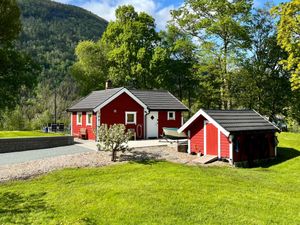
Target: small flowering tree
113	138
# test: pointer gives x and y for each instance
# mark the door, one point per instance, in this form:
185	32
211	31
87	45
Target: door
211	139
152	125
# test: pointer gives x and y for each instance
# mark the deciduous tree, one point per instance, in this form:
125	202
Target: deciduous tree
221	23
16	68
289	37
114	139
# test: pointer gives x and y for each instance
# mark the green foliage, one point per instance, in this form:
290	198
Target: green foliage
288	37
124	54
160	193
131	41
90	70
51	32
261	83
174	62
17	70
10	24
218	24
113	138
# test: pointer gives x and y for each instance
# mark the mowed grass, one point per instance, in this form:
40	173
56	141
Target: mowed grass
19	134
161	193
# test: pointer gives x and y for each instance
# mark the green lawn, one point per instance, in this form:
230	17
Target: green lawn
161	193
17	134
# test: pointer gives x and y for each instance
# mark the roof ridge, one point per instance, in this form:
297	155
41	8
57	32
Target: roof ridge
106	90
159	90
109	96
226	110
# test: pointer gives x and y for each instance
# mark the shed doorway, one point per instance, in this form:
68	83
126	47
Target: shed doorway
211	139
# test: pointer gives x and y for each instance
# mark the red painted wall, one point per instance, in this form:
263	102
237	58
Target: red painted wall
225	144
89	128
197	138
164	122
197	135
114	113
211	139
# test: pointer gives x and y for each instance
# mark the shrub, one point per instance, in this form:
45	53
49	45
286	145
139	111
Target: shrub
113	138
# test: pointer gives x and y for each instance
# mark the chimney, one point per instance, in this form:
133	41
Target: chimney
108	84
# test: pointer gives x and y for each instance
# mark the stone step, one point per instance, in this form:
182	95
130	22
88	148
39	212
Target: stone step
206	159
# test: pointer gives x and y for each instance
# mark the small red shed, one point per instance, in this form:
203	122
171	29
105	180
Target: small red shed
237	135
145	112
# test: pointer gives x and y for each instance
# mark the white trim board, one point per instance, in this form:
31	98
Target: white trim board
77	114
87	120
204	135
219	144
123	90
231	149
134	118
207	117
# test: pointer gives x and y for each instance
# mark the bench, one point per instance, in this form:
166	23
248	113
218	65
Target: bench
82	133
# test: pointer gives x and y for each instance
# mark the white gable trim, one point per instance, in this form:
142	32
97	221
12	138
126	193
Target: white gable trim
207	117
124	90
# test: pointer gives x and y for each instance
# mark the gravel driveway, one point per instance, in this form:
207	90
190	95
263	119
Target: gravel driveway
90	158
25	156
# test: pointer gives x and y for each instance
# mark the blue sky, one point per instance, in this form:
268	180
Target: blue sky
159	9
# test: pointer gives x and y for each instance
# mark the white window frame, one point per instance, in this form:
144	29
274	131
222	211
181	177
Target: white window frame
134	122
77	117
171	118
87	119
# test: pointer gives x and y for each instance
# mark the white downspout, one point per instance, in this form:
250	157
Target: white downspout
71	130
189	141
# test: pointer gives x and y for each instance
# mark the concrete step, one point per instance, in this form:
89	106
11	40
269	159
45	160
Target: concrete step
206	159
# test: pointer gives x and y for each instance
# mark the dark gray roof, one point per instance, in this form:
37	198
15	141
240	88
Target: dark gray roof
94	99
159	100
240	120
154	100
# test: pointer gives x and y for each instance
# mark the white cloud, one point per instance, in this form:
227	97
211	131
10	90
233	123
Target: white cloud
106	8
64	1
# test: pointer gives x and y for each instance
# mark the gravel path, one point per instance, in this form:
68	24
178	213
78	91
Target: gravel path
93	159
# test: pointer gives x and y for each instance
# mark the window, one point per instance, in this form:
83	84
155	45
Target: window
89	118
130	117
171	115
79	118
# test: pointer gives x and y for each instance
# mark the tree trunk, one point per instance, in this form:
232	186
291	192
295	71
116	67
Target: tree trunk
225	87
114	155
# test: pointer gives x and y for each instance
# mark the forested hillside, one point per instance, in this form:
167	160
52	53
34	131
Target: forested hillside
49	34
51	31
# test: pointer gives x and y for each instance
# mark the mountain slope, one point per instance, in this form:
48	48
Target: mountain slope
51	32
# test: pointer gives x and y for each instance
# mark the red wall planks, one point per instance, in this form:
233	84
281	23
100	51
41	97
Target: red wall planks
164	122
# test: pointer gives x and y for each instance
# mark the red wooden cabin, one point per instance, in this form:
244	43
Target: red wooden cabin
145	112
236	135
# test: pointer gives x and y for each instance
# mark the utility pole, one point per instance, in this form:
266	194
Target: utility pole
55	120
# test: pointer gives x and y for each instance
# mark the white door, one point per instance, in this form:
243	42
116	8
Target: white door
152	125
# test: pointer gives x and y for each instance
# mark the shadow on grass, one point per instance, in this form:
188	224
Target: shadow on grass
140	157
15	208
283	154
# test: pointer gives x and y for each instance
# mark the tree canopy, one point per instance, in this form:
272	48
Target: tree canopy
17	70
220	25
289	37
